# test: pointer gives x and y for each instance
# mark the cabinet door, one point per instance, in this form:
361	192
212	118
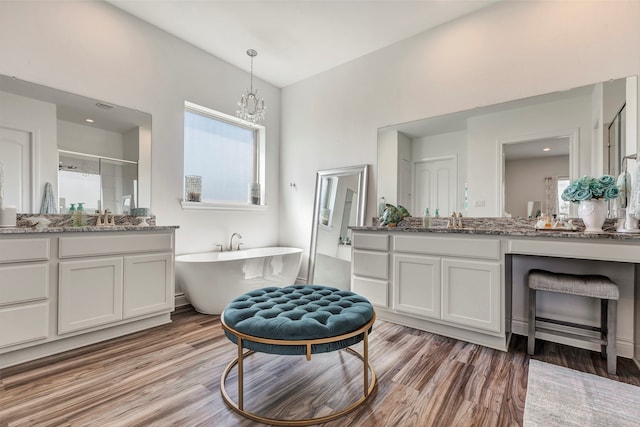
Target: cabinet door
471	294
148	284
416	285
90	293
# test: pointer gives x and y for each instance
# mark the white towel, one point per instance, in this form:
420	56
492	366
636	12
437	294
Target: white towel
48	201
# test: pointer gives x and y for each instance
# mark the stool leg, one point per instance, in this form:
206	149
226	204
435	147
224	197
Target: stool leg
612	319
531	342
604	331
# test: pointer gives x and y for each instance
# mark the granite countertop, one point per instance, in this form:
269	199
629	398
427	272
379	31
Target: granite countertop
520	227
27	230
63	224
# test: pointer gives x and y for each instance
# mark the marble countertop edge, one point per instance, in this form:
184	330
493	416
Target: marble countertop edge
90	228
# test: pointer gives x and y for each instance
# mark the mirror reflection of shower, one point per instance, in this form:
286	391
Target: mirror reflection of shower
98	182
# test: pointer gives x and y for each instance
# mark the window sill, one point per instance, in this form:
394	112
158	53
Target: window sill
213	206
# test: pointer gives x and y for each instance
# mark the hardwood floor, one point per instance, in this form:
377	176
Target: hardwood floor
170	375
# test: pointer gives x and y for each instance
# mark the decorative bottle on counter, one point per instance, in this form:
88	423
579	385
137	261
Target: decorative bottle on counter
426	219
81	216
72	212
381	207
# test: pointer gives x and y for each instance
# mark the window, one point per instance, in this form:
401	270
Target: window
228	156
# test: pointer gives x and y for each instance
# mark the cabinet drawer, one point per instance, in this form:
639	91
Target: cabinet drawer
376	291
82	246
376	242
447	246
371	264
24	323
17	250
24	283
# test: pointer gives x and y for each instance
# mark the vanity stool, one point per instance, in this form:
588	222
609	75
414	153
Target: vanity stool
584	285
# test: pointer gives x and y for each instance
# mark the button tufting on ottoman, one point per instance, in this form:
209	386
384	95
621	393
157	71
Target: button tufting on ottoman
300	312
297	320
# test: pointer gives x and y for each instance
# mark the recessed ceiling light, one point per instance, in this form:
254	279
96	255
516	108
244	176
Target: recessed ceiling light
546	149
88	120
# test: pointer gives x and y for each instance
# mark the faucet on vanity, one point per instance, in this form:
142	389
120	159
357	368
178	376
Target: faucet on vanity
231	241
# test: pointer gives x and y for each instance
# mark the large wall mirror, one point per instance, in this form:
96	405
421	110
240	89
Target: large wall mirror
340	202
510	158
89	150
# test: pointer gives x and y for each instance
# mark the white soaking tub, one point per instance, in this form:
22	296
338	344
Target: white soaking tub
210	280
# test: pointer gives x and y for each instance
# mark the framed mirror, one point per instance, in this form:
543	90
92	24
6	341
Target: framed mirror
89	150
340	202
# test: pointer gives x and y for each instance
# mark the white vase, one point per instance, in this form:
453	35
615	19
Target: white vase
593	213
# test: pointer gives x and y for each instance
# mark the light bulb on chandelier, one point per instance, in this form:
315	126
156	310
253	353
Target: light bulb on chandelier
250	108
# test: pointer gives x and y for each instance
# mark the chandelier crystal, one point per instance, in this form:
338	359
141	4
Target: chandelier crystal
250	108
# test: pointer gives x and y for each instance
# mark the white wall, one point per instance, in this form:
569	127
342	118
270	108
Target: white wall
94	49
508	51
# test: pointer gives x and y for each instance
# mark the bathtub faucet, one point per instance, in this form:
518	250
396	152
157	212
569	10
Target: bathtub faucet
231	241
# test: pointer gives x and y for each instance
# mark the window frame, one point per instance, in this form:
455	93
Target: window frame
259	162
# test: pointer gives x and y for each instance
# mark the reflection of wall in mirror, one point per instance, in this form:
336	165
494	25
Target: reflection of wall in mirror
475	138
485	130
452	146
38	120
530	174
329	237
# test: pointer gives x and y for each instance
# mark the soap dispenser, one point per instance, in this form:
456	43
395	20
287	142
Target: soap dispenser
426	219
72	212
82	217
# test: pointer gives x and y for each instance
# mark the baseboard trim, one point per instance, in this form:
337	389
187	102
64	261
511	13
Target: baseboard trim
181	300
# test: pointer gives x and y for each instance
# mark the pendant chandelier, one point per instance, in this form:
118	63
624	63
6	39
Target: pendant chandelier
249	107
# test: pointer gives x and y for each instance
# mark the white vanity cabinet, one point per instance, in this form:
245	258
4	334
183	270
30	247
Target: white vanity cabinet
126	276
448	284
63	290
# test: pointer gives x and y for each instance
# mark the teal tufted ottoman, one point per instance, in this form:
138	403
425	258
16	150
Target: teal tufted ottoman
297	320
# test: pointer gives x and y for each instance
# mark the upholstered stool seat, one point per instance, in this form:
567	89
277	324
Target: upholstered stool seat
300	312
593	286
297	320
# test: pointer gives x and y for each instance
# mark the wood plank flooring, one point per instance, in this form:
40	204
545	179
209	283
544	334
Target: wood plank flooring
169	376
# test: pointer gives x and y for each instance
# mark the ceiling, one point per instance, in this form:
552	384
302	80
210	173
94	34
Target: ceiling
296	39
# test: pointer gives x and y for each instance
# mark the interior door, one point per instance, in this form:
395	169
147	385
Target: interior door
435	183
15	155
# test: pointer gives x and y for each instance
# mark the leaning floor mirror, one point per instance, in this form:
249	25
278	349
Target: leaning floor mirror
340	202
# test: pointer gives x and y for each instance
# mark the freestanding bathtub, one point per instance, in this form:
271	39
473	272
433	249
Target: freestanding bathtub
211	280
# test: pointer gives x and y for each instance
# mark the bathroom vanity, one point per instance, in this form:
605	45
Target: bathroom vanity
66	287
470	283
